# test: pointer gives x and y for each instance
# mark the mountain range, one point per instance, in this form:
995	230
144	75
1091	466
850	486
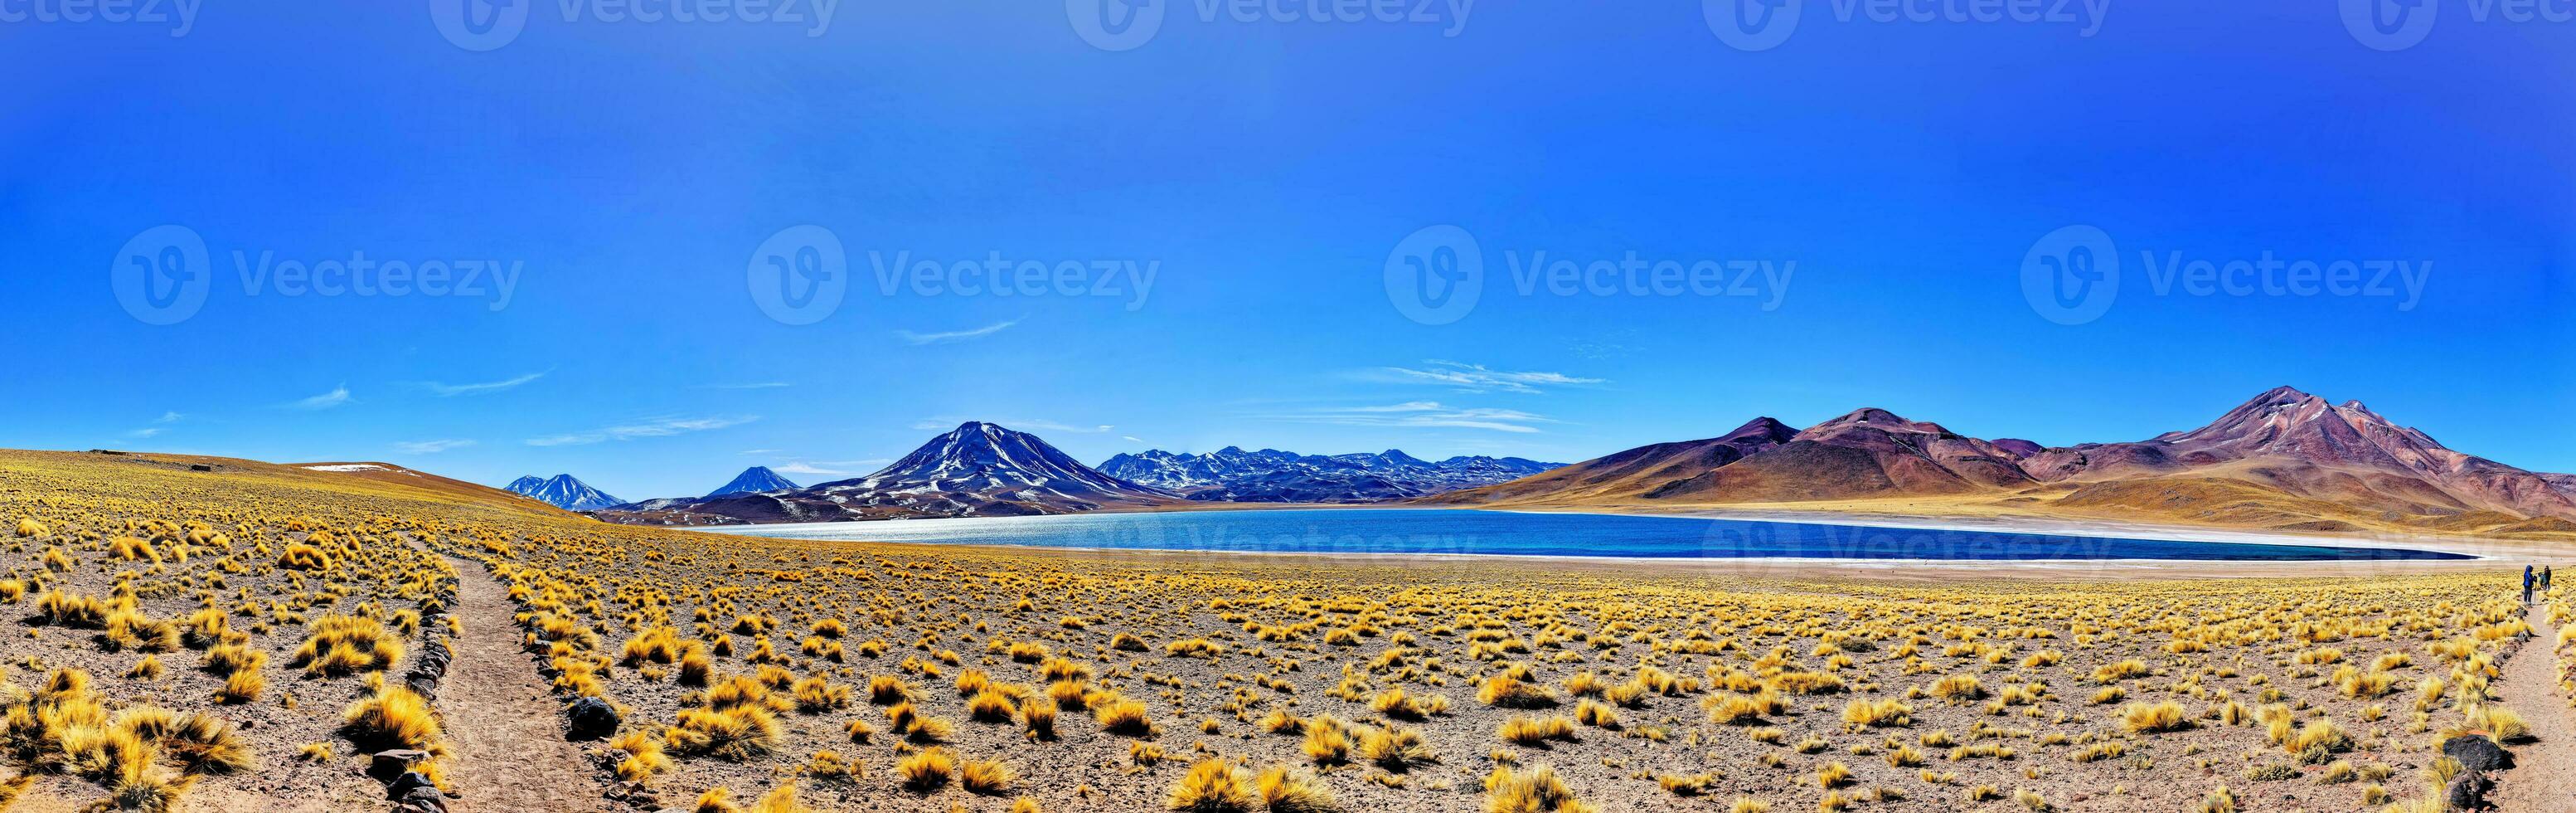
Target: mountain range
977	470
1272	476
562	491
2285	459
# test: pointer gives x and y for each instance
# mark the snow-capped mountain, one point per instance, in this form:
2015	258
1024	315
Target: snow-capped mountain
978	470
756	480
1234	475
563	492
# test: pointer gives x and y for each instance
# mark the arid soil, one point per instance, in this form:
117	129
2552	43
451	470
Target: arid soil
771	676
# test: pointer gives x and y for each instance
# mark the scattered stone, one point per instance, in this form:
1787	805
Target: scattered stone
403	786
391	764
592	718
2469	791
2478	754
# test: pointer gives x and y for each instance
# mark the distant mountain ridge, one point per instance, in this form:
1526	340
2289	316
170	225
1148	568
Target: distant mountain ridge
1232	474
563	491
977	470
2285	459
755	480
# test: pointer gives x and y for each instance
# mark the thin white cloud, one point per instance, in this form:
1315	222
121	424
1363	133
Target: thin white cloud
1421	415
760	451
917	339
431	446
330	400
1478	378
454	390
144	433
831	468
1131	439
170	417
657	428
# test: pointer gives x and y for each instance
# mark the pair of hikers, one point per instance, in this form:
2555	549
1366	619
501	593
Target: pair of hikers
2531	578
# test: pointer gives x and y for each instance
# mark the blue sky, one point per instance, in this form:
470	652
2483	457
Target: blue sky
624	174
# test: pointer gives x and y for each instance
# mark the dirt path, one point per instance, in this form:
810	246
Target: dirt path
505	729
2544	779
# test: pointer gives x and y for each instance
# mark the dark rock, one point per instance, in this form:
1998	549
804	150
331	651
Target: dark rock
591	718
2469	791
388	765
402	786
425	799
2478	754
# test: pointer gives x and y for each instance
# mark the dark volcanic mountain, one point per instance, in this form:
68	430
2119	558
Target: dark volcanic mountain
1639	470
755	480
978	470
2286	459
562	492
1271	476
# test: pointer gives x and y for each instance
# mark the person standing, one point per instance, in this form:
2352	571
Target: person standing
2528	577
2544	578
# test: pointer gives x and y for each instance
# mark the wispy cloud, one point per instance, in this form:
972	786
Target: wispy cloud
955	336
1420	415
1131	439
158	426
453	390
831	468
753	385
944	424
330	400
430	446
656	428
1477	378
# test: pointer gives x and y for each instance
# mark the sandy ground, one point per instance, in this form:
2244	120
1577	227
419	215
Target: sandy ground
2544	778
503	725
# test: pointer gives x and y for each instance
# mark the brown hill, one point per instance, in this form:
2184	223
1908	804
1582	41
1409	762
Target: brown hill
1635	471
2285	460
